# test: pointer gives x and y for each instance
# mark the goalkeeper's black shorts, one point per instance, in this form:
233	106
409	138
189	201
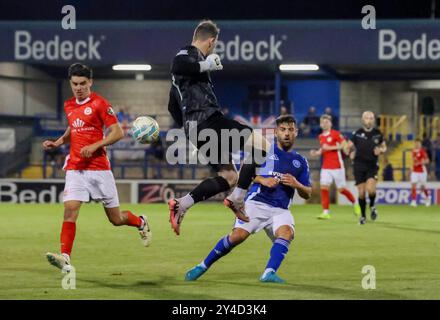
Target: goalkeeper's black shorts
217	122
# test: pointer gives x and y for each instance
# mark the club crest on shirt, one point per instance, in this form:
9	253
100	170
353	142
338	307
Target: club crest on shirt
296	163
376	141
329	139
110	111
88	111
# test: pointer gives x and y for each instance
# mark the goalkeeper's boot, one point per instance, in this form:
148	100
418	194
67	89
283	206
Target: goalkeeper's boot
176	215
145	231
373	213
236	207
61	261
195	273
271	276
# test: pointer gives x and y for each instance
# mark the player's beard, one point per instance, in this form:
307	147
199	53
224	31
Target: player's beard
286	144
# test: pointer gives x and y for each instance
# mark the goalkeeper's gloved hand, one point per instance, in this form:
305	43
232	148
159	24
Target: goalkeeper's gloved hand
212	63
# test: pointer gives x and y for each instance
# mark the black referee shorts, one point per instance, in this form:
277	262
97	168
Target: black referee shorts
364	171
217	122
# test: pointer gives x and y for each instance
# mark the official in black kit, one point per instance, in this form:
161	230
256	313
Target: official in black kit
365	147
192	101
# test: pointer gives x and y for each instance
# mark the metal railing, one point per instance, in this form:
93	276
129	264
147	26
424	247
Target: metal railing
429	125
394	127
149	167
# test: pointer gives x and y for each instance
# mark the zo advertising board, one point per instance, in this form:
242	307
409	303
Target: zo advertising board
162	191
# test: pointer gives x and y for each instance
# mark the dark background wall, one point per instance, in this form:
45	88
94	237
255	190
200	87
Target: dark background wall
228	9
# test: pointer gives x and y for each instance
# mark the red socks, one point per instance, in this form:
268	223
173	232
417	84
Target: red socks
413	193
348	195
325	199
68	231
132	220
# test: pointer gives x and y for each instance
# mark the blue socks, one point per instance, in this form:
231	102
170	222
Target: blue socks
222	248
279	249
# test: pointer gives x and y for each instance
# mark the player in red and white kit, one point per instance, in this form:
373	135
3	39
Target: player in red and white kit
88	173
332	168
419	174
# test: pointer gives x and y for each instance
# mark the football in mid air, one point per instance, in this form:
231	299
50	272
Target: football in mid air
145	129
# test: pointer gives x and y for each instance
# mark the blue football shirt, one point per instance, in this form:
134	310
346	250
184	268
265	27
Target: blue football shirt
279	162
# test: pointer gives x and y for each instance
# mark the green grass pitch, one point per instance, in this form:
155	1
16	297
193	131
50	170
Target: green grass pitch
324	262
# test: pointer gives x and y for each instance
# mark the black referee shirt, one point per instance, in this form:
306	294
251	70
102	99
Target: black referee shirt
365	142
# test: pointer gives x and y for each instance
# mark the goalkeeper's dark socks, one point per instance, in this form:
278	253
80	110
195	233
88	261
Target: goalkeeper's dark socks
67	237
246	175
363	204
372	200
249	167
223	247
208	188
279	250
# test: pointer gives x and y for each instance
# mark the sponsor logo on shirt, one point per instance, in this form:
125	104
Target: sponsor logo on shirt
274	157
276	175
78	123
88	111
78	126
110	111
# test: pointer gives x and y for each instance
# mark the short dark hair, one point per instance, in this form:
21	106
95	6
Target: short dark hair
288	118
418	140
80	70
206	29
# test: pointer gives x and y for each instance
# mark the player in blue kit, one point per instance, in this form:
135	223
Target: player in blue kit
267	203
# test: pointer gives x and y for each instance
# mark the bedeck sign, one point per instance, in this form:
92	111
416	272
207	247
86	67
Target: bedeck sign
28	48
46	191
422	48
407	42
